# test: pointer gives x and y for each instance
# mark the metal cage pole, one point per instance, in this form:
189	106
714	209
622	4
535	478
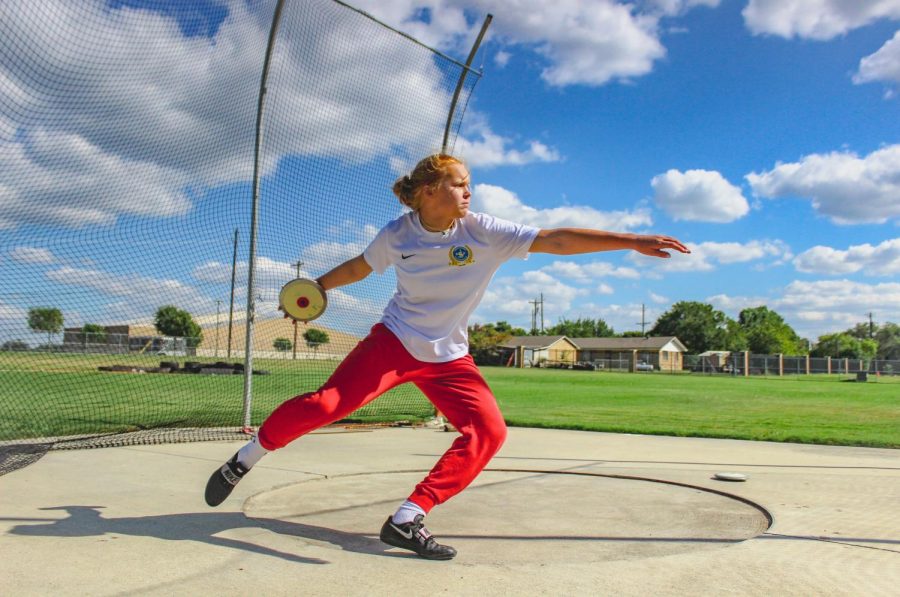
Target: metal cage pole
462	79
251	307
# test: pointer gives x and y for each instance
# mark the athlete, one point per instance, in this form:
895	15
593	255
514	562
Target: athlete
444	256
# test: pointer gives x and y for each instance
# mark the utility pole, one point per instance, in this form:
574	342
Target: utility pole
542	312
537	306
218	305
299	264
871	327
533	317
231	308
643	323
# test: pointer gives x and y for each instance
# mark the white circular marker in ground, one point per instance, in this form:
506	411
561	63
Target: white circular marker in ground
508	517
731	476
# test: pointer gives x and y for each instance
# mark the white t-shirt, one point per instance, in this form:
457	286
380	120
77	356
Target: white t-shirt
441	279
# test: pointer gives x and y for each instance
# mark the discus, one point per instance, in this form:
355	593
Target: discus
302	300
731	477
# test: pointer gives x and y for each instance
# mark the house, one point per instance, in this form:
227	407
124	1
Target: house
665	353
536	351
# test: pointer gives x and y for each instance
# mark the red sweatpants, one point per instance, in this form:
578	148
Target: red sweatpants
377	364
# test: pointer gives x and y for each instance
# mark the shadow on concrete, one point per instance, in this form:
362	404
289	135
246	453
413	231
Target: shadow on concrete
88	521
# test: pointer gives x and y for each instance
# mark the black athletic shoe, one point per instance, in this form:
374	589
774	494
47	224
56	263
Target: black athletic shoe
223	481
414	536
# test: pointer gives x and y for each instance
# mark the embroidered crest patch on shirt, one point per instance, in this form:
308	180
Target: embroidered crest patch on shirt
461	255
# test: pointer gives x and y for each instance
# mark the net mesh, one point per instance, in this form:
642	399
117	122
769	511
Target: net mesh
127	135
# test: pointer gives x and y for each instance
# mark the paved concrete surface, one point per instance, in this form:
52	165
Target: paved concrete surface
556	513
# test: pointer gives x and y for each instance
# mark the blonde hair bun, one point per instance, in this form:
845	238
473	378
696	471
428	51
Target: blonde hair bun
429	171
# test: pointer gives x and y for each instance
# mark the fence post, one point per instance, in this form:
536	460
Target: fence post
746	363
807	363
780	364
828	362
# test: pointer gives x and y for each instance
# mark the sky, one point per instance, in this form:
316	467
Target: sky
765	134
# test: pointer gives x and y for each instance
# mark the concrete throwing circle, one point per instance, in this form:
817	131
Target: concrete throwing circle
517	517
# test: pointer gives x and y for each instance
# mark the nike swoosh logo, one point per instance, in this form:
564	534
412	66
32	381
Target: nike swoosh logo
407	534
402	256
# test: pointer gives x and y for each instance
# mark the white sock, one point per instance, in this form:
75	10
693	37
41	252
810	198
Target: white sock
407	512
251	453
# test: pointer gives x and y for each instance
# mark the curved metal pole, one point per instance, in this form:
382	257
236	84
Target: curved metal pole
251	308
462	79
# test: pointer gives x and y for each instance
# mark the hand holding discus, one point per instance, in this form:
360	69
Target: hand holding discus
302	300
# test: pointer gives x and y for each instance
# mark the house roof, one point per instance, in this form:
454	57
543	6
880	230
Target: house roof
652	343
534	341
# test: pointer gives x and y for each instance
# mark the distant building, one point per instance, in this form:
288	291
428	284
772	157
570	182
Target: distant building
664	353
535	351
654	353
118	339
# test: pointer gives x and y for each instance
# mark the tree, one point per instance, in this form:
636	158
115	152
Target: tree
93	333
485	341
581	328
843	345
888	338
632	334
767	332
282	344
502	326
315	338
735	338
172	321
45	319
697	325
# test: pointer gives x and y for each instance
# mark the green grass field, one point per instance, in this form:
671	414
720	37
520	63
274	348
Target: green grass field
801	409
55	395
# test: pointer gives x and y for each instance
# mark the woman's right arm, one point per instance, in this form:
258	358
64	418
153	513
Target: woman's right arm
348	272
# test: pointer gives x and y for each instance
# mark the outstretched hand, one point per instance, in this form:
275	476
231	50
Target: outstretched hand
655	245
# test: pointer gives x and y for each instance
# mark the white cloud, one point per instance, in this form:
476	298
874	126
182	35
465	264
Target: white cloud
32	255
677	7
699	195
488	149
13	324
658	298
507	298
821	307
839	304
588	272
707	256
505	204
142	294
841	185
815	19
883	65
129	137
501	58
880	260
583	43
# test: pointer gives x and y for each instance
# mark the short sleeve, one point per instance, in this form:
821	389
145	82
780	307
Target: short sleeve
377	254
508	239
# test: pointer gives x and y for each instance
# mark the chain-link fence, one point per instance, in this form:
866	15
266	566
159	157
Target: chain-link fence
769	365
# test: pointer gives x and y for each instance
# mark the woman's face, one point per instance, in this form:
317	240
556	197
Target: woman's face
450	199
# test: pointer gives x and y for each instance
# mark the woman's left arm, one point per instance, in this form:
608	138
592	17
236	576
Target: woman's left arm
573	241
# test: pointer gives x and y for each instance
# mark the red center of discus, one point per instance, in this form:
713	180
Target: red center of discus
303	302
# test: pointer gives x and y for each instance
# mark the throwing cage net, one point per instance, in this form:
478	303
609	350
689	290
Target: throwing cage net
128	133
